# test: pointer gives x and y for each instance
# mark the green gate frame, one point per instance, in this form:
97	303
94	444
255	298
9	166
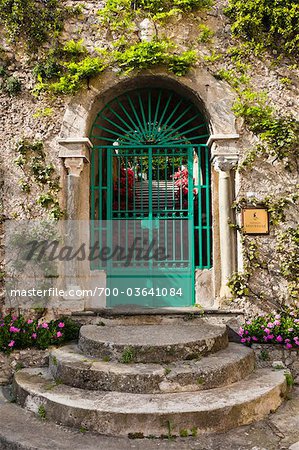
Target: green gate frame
139	123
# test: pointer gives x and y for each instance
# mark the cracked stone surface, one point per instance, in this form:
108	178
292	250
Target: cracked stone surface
279	431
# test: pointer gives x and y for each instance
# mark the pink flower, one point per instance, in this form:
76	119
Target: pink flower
14	318
279	339
278	316
14	330
243	340
254	338
288	346
249	339
287	340
45	325
270	325
11	344
29	321
248	322
296	320
291	329
270	336
34	336
61	325
58	334
276	323
246	332
267	330
241	331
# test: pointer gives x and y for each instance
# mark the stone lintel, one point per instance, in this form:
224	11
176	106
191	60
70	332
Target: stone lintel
222	137
75	148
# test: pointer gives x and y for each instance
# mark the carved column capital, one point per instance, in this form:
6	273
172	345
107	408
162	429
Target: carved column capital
223	163
74	152
224	151
74	166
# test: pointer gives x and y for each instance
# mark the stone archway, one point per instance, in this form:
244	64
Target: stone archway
212	97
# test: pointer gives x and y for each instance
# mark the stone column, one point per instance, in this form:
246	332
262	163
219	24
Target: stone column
75	154
225	158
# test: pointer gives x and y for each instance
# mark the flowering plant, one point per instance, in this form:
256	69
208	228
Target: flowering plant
123	189
18	332
181	181
281	327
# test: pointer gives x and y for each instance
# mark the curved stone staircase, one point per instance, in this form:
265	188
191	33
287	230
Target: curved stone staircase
151	380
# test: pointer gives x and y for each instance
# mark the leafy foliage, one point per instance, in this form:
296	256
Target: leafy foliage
12	85
70	75
75	48
20	333
279	134
119	15
77	73
31	160
205	33
267	23
288	252
34	20
238	284
154	53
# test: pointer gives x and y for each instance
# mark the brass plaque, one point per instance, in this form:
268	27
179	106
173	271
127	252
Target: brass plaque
255	221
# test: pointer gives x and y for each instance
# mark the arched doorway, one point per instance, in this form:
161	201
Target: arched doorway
150	197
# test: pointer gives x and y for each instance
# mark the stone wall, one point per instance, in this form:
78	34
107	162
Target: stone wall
21	116
278	357
19	359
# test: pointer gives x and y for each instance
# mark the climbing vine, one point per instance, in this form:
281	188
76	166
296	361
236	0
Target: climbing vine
285	253
271	24
34	21
68	76
31	160
119	15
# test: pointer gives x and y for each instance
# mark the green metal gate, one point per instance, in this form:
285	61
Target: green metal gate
150	198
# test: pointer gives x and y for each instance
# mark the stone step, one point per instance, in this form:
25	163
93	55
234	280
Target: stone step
152	343
73	368
117	413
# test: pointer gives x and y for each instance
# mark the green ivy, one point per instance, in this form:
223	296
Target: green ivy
31	160
12	85
154	53
288	253
272	24
67	77
205	33
70	75
35	21
238	284
119	15
279	134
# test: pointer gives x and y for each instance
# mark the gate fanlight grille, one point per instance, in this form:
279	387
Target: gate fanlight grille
149	117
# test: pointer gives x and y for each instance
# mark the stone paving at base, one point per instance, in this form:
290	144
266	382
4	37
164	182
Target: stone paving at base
21	430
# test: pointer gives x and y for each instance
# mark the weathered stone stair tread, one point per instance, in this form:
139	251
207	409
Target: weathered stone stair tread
153	343
227	366
117	413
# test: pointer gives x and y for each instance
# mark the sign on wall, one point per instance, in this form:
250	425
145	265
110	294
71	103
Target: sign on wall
255	221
